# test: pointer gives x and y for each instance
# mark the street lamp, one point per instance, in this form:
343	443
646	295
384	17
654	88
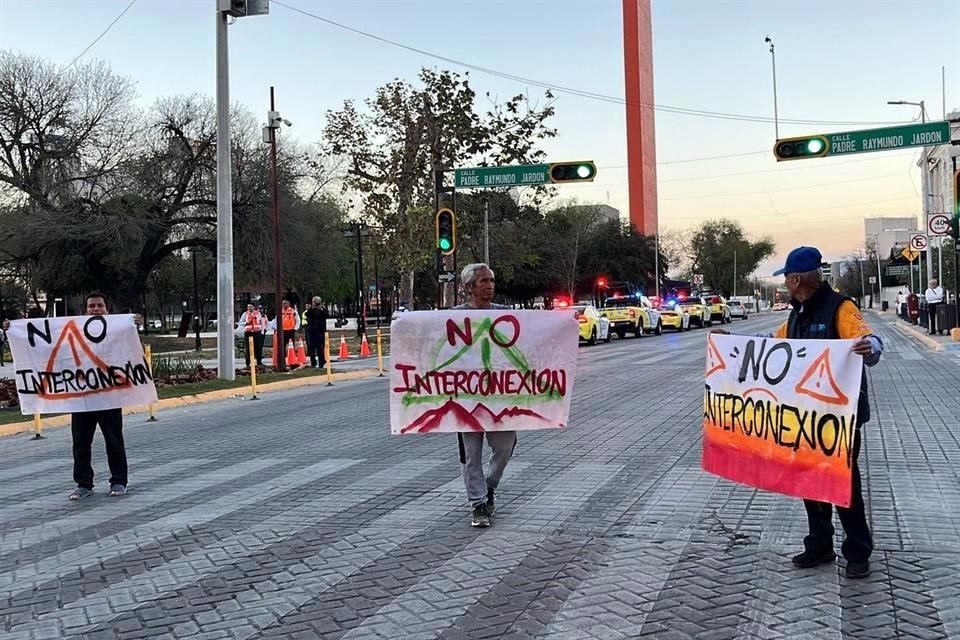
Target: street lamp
923	110
773	62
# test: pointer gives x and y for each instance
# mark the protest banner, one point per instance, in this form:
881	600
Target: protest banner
489	370
780	414
79	363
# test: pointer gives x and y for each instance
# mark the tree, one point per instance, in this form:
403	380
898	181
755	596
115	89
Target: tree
408	134
716	245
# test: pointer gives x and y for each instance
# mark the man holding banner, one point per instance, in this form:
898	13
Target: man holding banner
818	314
479	283
88	366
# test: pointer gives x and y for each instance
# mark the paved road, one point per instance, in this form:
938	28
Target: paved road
298	516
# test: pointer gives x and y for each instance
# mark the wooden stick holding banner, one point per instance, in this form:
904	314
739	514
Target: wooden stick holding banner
253	369
149	353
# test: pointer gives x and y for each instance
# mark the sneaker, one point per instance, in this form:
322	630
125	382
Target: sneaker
80	493
809	559
117	490
858	570
491	507
480	517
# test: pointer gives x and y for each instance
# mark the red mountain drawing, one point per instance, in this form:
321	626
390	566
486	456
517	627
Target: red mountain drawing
480	419
715	361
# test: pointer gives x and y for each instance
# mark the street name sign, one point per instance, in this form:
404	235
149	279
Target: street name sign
510	176
938	224
918	242
524	175
864	141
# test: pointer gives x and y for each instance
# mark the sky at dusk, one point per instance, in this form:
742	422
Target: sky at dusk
837	61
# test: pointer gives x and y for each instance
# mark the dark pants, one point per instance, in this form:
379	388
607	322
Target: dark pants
857	541
84	426
257	346
315	344
932	314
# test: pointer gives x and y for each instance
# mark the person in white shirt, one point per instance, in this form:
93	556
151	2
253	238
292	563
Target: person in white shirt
934	296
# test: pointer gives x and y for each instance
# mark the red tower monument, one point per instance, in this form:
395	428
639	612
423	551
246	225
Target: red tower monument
641	140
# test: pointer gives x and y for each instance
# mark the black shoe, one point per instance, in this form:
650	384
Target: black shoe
808	559
480	518
856	570
491	508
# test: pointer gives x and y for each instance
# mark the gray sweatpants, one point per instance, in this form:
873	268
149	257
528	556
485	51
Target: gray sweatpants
471	461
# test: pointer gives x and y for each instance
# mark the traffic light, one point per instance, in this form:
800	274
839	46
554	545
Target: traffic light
955	221
446	231
800	148
573	171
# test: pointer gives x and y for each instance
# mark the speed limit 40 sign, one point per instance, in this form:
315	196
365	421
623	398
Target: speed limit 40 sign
938	224
918	242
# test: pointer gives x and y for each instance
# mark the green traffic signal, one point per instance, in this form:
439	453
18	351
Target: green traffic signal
803	147
446	225
573	171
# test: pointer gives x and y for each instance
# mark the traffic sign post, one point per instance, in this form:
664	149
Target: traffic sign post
938	224
821	145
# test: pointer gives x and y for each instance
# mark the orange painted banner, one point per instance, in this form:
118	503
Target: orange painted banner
780	414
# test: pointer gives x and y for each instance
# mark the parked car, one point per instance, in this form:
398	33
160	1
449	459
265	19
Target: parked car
593	326
737	309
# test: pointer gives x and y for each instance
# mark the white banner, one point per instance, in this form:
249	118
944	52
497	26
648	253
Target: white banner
491	370
79	363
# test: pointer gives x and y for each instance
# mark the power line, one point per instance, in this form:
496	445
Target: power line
105	31
570	90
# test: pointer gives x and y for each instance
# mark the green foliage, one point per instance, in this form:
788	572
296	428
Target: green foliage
717	244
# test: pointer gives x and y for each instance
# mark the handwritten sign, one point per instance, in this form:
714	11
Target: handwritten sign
491	370
780	414
72	364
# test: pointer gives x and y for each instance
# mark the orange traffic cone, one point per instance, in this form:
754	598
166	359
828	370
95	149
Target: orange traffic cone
291	356
364	347
344	353
301	353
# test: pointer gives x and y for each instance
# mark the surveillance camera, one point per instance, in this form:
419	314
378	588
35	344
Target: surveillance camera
767	39
286	122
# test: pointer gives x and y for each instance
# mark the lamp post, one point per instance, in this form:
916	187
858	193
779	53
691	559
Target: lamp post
773	62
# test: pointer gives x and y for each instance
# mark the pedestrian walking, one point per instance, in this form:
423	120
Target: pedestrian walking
83	427
934	297
316	329
818	312
478	282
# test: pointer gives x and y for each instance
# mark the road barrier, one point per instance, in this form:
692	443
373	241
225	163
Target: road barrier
151	409
253	368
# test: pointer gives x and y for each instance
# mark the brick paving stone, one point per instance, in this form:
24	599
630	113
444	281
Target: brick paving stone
605	530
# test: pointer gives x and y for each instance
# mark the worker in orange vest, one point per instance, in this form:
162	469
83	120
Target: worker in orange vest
291	323
252	323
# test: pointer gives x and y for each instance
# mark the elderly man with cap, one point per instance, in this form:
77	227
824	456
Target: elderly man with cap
818	312
478	283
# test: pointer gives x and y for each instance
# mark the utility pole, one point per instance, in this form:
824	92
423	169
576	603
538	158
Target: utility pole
734	273
225	359
773	61
361	309
270	134
196	301
486	231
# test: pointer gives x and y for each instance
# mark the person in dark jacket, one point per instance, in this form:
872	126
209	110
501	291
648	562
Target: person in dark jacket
819	312
316	330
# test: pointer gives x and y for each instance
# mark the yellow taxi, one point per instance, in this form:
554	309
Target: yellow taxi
698	309
592	325
719	309
673	316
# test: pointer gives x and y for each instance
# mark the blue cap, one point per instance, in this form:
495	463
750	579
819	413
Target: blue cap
801	260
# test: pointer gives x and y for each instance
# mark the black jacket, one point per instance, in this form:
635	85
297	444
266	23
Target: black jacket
316	321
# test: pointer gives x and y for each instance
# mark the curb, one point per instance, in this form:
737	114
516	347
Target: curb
918	333
199	398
